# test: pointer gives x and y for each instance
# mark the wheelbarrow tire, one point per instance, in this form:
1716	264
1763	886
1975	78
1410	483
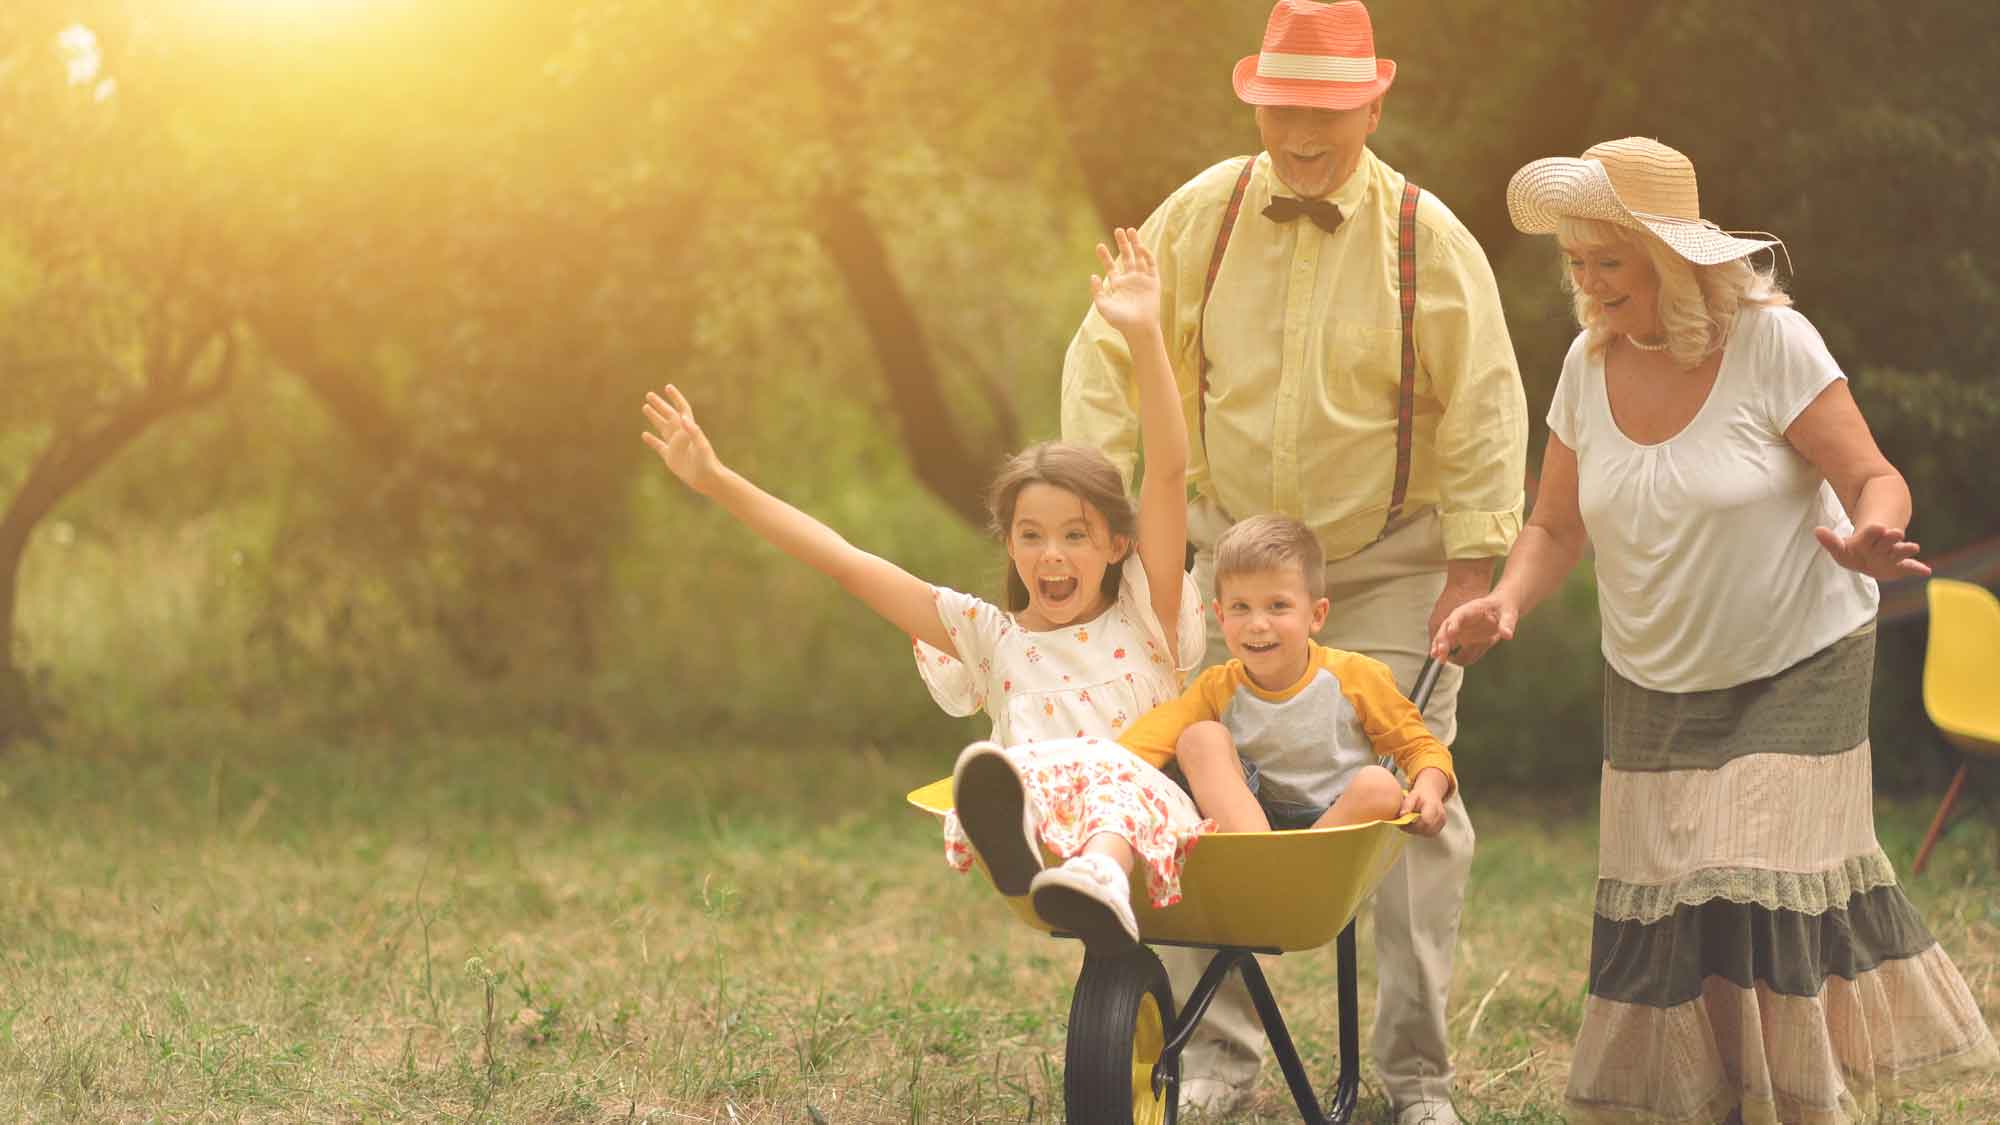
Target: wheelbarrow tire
1118	1020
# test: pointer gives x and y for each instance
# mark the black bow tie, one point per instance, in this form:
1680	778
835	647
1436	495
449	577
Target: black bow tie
1284	209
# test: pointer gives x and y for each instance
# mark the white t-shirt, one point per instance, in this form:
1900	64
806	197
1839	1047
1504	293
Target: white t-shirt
1707	571
1089	679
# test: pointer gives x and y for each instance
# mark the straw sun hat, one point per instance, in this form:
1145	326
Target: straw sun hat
1635	182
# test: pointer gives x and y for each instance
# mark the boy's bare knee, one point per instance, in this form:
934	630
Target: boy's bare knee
1377	790
1205	743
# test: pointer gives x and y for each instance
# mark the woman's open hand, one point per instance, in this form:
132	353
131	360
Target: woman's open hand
1473	628
1128	295
1879	552
679	441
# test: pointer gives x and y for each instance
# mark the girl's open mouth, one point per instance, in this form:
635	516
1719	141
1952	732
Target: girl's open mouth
1056	590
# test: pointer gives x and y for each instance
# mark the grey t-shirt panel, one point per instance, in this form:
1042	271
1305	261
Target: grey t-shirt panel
1306	747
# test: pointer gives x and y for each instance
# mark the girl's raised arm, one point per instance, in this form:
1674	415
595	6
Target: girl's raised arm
901	598
1128	298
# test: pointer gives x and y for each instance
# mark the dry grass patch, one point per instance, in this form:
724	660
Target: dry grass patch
543	931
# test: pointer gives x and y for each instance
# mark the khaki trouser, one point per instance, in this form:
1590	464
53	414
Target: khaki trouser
1382	597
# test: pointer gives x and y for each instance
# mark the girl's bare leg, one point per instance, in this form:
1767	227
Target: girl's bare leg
1090	895
1113	847
1374	794
1208	758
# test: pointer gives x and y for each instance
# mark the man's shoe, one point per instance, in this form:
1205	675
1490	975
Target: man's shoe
1427	1113
1213	1098
993	810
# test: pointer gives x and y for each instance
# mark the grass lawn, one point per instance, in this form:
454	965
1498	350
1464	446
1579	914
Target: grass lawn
547	931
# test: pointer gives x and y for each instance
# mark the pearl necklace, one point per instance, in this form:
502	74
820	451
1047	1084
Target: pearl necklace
1643	346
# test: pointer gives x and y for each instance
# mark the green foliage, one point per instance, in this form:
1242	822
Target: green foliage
457	248
1531	711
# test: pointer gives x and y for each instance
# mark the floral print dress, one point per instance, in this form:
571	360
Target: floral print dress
1058	699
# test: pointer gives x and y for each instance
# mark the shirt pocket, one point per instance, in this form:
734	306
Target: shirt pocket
1362	373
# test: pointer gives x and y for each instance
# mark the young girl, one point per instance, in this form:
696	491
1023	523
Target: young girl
1099	623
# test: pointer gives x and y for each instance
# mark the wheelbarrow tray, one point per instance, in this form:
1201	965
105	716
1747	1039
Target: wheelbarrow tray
1269	892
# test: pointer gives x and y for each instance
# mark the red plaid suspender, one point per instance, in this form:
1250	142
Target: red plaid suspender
1406	284
1208	286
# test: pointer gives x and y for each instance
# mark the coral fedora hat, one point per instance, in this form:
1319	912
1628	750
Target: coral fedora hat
1316	55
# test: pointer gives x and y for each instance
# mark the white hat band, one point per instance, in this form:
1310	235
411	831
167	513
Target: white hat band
1322	68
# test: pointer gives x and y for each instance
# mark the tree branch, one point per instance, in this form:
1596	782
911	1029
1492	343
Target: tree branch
73	456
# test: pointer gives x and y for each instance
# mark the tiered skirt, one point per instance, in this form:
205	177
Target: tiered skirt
1752	955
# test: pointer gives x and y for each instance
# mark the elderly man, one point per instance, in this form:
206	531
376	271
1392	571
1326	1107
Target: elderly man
1343	359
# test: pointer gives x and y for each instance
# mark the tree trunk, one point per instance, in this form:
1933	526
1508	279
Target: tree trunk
19	717
954	469
68	461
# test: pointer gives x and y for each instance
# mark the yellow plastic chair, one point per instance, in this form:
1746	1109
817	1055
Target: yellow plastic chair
1961	683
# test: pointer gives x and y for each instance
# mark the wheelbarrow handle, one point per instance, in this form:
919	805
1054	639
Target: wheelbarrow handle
1427	678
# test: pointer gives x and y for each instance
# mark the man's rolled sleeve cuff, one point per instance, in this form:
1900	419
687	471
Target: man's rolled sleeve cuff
1480	535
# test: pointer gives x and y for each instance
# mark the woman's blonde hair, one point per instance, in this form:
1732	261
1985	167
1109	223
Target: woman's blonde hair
1081	471
1698	304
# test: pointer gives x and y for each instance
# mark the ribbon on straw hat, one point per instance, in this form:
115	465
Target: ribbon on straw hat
1316	55
1633	182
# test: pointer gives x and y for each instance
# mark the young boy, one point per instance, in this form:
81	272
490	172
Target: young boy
1288	733
1285	735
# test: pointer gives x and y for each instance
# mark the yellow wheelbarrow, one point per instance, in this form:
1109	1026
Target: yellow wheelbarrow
1242	893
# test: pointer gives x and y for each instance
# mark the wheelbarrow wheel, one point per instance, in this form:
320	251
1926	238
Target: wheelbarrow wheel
1118	1022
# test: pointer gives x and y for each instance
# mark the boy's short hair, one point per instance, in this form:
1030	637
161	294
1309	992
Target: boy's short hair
1261	544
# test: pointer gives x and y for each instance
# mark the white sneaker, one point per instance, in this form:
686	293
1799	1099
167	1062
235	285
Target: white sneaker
1212	1097
1427	1113
993	810
1091	898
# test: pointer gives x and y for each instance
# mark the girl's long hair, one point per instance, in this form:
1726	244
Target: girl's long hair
1081	471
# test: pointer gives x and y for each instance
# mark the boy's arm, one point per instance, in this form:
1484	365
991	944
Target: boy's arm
1395	727
1154	734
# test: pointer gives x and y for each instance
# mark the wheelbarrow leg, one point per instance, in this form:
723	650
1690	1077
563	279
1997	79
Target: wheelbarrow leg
1346	1094
1349	1090
1195	1006
1281	1044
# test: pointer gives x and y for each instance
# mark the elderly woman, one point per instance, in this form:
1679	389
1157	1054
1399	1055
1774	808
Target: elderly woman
1752	957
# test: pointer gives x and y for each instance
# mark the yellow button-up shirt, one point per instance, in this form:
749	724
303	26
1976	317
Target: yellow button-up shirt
1303	331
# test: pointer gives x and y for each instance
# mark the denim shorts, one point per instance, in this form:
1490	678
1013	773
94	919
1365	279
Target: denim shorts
1283	815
